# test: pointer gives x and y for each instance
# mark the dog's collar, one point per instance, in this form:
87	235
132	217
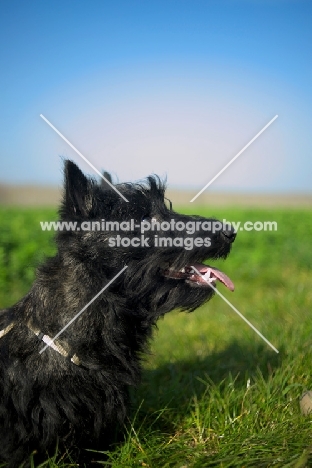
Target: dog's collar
54	344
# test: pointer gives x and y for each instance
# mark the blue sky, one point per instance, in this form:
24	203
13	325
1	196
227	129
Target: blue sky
169	87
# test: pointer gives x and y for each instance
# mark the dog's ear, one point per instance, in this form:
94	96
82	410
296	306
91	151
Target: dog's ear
103	183
78	192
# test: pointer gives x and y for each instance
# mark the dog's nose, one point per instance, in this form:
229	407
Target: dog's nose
229	233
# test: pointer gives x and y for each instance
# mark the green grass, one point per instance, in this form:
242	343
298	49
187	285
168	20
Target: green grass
213	393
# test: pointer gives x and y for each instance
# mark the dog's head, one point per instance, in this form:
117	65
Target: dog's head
135	225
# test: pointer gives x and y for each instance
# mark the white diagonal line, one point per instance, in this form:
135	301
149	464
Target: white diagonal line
233	159
82	310
237	311
83	157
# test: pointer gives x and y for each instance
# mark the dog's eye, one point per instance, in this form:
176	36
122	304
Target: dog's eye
150	219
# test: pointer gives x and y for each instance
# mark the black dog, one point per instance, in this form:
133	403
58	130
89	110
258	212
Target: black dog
76	390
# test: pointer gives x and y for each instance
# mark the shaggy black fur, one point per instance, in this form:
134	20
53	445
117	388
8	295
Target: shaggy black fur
46	397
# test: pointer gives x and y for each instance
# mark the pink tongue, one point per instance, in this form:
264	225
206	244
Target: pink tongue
216	273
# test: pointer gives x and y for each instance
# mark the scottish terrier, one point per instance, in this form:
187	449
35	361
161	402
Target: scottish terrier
64	376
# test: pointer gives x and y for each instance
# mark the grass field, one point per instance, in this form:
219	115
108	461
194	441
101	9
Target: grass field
213	393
